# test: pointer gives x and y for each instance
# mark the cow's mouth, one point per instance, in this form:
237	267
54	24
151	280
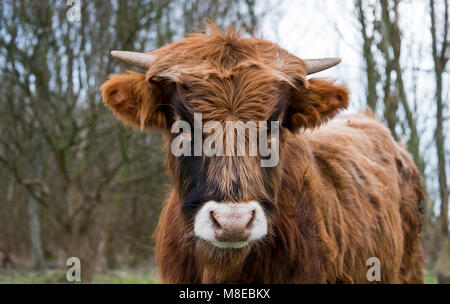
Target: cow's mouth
230	225
231	245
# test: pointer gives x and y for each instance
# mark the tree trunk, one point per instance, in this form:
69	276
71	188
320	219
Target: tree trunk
35	227
371	71
440	59
35	233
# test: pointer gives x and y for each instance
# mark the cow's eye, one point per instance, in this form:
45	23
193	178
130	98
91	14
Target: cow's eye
185	87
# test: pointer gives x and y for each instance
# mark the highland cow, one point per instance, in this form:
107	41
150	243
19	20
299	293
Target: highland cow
343	191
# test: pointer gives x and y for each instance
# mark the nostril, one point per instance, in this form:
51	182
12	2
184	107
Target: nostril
214	221
252	219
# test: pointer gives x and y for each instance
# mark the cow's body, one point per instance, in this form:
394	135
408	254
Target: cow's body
342	192
349	192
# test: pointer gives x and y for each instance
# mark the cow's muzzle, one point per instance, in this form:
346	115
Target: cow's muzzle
230	225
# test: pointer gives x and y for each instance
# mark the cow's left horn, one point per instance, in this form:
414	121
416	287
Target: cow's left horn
317	65
141	60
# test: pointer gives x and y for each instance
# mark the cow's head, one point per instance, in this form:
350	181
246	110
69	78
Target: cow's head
228	201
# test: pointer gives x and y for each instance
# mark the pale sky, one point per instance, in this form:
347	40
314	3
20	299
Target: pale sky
328	28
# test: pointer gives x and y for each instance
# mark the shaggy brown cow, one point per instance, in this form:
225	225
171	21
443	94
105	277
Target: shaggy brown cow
343	191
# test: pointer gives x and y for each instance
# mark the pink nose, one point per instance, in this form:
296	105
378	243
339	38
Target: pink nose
232	225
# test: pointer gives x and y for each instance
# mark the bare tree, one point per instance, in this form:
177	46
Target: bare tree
440	59
372	74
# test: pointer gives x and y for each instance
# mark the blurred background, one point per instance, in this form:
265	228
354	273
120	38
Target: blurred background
75	182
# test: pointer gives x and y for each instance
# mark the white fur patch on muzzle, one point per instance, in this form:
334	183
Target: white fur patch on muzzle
230	225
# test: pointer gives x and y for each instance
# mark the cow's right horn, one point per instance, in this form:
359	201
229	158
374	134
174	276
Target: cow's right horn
317	65
141	60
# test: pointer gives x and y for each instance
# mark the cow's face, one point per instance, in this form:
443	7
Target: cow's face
228	194
228	191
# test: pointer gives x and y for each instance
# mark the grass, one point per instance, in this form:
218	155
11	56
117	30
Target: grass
126	276
430	277
59	276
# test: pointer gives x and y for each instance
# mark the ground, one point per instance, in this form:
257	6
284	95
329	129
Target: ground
123	276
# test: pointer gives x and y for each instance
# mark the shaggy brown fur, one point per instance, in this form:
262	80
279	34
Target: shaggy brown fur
343	191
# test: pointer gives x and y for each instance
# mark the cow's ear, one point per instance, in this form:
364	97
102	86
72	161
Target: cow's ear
313	102
134	100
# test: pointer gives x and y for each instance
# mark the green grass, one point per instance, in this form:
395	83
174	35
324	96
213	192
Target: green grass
59	276
125	278
110	277
430	277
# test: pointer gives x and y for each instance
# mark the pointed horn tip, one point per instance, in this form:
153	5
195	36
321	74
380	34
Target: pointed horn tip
330	60
141	60
334	60
320	64
117	54
120	54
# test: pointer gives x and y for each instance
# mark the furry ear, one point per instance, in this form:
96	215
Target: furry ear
313	103
134	100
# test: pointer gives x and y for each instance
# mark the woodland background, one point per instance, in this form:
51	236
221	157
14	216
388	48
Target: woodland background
75	182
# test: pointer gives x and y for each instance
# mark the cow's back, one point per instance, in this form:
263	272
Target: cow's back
374	199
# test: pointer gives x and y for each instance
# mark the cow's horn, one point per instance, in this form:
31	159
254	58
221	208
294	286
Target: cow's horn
141	60
317	65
